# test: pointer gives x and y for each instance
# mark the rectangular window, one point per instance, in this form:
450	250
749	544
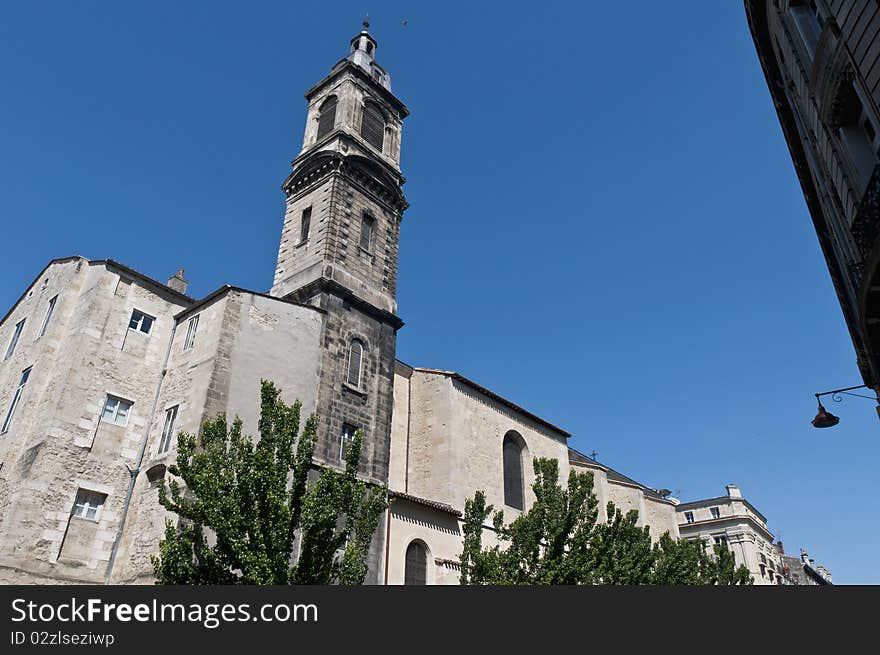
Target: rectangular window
689	517
721	540
88	504
808	21
348	431
168	430
305	225
48	318
716	513
367	223
191	329
116	410
15	335
140	322
25	374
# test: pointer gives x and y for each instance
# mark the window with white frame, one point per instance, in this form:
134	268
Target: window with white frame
88	504
715	512
348	432
140	322
116	410
191	328
48	317
689	517
16	333
168	429
25	374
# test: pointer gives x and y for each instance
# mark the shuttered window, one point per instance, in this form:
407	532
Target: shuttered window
305	225
416	572
327	119
366	231
513	472
373	126
355	359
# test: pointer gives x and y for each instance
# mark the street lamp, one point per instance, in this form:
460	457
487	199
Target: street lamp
824	418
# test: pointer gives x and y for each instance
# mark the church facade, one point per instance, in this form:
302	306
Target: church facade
102	366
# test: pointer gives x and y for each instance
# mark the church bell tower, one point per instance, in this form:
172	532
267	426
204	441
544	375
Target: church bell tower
339	248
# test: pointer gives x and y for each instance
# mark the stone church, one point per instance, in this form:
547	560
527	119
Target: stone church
102	366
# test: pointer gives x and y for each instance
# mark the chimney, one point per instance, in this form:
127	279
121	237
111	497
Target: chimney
177	282
779	547
733	491
804	558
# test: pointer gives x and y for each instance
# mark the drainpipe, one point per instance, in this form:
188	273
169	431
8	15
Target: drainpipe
140	458
387	537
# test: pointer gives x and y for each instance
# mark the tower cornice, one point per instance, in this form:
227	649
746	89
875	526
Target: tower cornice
374	176
346	65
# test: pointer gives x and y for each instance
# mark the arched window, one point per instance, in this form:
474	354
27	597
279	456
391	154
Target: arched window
373	126
416	572
513	471
327	118
355	361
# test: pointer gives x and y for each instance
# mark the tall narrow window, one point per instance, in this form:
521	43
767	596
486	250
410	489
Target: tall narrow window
168	429
140	322
857	132
808	20
416	568
327	118
373	126
25	374
367	223
513	471
88	504
689	517
116	410
16	333
48	317
348	432
191	329
716	513
355	361
305	224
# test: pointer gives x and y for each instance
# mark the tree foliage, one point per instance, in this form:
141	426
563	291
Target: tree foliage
244	506
560	541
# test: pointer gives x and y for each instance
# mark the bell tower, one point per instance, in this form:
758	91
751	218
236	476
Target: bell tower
339	247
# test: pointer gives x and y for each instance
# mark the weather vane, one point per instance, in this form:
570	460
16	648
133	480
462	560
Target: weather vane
366	22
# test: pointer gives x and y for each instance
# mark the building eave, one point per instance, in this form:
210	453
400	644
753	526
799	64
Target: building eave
226	288
494	396
58	260
426	502
719	500
756	14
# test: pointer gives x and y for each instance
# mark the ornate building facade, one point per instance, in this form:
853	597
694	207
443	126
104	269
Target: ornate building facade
102	367
821	59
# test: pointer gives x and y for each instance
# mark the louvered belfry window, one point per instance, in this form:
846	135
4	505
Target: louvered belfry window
373	126
355	357
513	473
416	564
327	119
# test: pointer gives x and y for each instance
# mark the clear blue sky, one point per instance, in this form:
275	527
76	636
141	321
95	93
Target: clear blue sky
605	223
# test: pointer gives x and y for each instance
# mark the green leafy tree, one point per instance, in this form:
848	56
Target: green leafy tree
620	551
682	562
559	541
241	506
